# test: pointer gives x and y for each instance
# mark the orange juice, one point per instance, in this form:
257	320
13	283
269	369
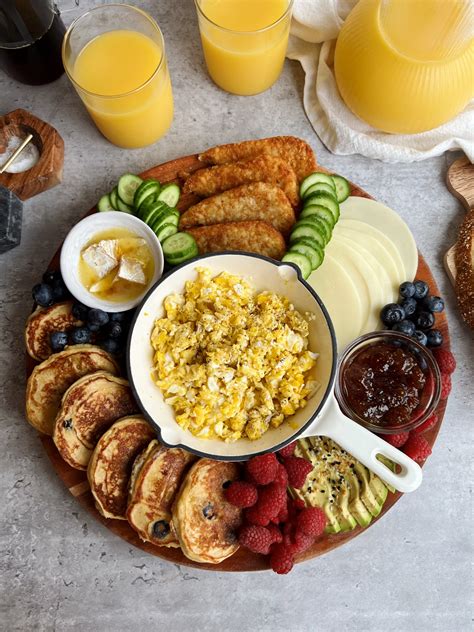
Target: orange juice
123	87
406	66
244	42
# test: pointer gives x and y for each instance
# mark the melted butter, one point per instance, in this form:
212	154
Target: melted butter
111	288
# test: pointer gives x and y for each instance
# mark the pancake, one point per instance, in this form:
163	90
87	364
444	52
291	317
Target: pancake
110	466
89	407
42	322
156	477
50	380
204	521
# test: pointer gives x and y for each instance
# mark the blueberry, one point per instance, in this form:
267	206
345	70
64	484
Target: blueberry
43	294
60	291
111	346
80	311
118	317
420	336
407	289
97	317
421	290
160	529
424	320
392	313
81	336
409	305
433	304
51	276
434	338
114	330
405	327
93	328
57	340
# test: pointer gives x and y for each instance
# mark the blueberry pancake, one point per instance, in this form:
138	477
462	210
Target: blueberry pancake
110	466
50	380
204	521
89	407
42	322
156	477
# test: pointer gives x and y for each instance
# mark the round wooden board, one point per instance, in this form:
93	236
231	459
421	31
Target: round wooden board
243	560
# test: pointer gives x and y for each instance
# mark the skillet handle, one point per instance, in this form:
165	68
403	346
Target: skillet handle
365	446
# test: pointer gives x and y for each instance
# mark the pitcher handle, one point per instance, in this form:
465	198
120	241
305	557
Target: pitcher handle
365	446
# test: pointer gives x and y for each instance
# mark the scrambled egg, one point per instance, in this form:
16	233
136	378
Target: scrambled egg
231	362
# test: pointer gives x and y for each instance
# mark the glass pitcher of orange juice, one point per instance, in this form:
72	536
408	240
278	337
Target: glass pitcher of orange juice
115	57
406	66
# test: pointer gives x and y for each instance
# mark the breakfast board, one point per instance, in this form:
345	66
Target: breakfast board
243	560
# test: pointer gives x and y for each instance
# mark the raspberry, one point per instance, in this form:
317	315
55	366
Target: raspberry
427	425
241	494
311	521
257	539
275	533
297	469
288	450
271	500
281	517
254	516
397	440
281	558
262	468
281	476
417	448
445	360
301	542
445	385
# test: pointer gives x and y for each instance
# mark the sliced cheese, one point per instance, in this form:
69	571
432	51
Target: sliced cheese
341	298
390	224
131	270
101	257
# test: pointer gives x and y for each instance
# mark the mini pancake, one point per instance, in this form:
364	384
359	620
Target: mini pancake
42	322
50	380
156	477
89	407
204	521
295	151
251	236
255	201
110	466
263	168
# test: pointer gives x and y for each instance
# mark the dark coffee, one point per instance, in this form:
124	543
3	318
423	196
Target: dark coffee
31	35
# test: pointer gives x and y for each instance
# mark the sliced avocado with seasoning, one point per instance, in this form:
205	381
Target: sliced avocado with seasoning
348	492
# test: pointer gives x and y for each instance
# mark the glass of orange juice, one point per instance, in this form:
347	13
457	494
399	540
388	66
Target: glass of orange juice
115	57
244	42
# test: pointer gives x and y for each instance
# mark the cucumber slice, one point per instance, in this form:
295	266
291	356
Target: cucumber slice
343	188
315	255
320	211
322	225
179	247
317	176
170	194
127	185
320	187
308	230
314	242
125	208
303	263
104	204
144	191
322	199
166	231
147	206
113	198
165	217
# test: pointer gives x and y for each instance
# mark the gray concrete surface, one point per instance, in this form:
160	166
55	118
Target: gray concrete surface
61	570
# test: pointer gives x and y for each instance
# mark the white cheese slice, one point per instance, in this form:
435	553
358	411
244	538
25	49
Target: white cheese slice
131	270
101	257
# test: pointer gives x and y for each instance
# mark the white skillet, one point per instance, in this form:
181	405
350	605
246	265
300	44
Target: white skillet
320	416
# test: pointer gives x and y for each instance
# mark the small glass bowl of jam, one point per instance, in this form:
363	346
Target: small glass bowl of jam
388	382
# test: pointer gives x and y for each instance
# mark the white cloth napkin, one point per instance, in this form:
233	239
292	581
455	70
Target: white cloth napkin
315	26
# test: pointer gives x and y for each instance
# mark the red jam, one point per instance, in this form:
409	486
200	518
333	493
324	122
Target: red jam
383	384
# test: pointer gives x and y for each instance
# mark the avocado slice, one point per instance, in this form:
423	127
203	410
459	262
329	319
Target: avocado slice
356	506
378	488
366	494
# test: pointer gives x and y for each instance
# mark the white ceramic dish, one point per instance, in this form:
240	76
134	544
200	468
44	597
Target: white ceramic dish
321	415
78	237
